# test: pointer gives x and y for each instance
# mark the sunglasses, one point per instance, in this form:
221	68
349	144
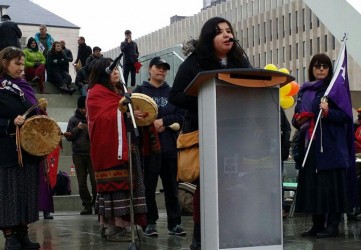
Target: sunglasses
318	66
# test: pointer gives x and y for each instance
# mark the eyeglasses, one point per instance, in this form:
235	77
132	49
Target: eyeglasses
318	66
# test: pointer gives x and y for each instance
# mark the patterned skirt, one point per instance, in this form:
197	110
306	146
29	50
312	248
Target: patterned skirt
117	203
19	195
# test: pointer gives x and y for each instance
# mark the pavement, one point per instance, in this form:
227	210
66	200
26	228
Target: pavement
71	231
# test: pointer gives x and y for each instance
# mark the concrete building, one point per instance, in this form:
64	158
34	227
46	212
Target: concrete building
286	33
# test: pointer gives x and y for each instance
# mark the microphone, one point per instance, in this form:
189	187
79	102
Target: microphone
239	45
109	69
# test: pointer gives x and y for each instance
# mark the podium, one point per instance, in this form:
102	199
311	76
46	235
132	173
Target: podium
240	158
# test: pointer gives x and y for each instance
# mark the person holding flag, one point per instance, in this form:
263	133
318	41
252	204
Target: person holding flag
326	178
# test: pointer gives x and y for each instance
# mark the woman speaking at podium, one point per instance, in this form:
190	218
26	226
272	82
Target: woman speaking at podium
215	49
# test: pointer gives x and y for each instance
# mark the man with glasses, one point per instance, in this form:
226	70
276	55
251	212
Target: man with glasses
44	40
9	33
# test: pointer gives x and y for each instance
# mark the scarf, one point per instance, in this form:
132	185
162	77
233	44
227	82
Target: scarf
22	84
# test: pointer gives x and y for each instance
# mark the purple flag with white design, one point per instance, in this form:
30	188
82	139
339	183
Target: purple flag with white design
339	90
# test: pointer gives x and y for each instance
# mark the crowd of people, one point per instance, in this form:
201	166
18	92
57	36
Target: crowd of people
47	60
123	161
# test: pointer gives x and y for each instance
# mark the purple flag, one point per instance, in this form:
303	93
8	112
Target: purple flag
339	90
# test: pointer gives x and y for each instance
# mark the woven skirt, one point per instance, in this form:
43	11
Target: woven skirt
117	203
19	195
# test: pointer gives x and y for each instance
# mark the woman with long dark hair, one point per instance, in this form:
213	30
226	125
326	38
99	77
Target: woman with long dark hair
212	51
110	155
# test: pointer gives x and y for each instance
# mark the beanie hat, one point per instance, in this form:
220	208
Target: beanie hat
81	102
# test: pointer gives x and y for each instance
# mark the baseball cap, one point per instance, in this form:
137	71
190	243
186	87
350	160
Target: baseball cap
158	61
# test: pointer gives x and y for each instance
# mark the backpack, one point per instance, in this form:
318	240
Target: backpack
185	197
62	186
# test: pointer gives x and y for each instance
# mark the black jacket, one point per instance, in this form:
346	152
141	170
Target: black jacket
84	51
168	112
79	137
130	52
11	105
9	34
186	73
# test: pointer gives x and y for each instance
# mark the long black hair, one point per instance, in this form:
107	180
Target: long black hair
205	47
98	74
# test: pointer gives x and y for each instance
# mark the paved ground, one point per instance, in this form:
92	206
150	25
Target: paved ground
71	231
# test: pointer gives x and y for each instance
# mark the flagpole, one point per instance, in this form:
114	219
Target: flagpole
339	62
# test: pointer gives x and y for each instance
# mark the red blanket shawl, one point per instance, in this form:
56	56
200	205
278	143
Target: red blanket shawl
106	127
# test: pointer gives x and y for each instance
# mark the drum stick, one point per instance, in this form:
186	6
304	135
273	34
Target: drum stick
175	126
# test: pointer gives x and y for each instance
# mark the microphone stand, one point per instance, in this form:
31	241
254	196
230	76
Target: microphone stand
131	126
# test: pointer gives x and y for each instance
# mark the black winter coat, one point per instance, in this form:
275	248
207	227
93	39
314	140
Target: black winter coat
168	112
186	73
11	105
9	35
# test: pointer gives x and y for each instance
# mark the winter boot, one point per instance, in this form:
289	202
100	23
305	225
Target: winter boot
11	243
23	237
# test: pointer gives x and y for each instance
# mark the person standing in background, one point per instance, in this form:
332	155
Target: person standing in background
46	201
67	52
212	51
323	188
44	40
285	149
131	54
77	133
84	51
161	164
9	33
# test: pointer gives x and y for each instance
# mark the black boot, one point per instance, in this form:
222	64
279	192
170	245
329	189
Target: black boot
196	241
47	216
333	221
12	242
318	221
23	237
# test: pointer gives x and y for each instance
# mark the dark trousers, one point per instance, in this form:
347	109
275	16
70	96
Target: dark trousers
126	69
166	168
59	78
83	167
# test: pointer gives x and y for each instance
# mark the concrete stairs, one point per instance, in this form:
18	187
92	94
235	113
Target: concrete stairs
60	108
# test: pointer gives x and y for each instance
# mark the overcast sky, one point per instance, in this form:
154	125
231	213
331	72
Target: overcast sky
103	22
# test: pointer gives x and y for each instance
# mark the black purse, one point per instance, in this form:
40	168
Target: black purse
298	147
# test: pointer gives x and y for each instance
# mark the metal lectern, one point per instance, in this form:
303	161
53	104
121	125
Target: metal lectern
240	161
